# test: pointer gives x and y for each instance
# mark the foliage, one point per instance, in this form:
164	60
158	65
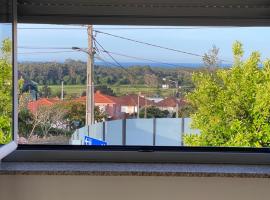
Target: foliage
45	91
5	92
154	112
74	73
232	105
210	59
75	114
25	120
185	110
48	117
100	115
104	89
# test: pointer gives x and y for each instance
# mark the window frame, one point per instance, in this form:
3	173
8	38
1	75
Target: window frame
234	155
6	149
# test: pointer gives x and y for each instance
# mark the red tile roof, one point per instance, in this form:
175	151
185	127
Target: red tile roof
171	102
132	100
34	105
100	98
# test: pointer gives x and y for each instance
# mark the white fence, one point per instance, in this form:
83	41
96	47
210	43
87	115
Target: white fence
147	132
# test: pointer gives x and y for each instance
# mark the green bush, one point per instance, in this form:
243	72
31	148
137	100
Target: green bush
5	92
232	105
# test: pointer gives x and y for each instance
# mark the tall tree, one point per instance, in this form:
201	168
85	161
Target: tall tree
210	59
5	91
232	105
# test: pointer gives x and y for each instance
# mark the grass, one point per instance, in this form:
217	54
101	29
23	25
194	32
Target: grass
77	90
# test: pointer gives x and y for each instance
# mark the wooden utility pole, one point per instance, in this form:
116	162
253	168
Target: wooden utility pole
138	107
62	90
145	107
90	81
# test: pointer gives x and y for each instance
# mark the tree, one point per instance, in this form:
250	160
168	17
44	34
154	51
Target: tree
5	92
210	59
151	80
154	112
104	89
232	105
45	91
184	111
100	115
75	114
47	117
25	120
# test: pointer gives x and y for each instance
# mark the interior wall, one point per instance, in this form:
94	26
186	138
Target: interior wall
36	187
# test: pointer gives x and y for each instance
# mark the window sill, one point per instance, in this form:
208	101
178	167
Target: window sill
132	169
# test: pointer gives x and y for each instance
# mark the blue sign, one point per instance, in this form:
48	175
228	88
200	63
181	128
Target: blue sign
91	141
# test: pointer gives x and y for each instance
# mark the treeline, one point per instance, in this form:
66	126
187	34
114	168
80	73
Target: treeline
74	73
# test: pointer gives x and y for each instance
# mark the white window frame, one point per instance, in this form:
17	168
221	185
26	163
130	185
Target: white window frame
138	153
10	147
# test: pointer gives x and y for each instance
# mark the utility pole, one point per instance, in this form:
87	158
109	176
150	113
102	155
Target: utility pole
62	91
177	110
177	96
138	107
90	83
145	106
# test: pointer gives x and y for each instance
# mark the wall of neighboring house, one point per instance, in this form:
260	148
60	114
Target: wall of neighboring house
129	109
42	187
113	110
170	109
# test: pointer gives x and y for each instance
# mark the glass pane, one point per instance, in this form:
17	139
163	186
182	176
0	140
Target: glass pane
6	82
168	132
114	132
139	132
144	85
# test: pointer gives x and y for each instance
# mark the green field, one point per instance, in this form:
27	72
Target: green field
77	90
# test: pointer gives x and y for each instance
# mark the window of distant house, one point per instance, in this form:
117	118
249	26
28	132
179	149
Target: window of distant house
144	85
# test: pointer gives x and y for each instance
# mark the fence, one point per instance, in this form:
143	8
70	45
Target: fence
147	132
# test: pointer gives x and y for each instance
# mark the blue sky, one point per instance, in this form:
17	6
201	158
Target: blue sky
5	31
191	39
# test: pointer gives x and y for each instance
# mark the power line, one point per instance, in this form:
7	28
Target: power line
140	58
51	28
104	50
152	45
104	61
45	52
29	47
112	58
152	28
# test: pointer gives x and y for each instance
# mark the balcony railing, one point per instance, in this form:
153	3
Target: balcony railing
147	132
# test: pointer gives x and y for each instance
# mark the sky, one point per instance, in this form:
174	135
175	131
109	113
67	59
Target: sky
196	40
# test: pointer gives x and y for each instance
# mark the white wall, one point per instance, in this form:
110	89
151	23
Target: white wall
33	187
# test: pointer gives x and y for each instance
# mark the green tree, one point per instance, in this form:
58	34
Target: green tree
100	115
75	114
232	105
104	89
45	91
5	92
154	112
210	59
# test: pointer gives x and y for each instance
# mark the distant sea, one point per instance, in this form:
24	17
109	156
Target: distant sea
169	65
129	64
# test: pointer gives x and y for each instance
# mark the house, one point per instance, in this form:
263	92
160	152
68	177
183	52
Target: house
170	104
165	86
34	105
108	104
129	103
